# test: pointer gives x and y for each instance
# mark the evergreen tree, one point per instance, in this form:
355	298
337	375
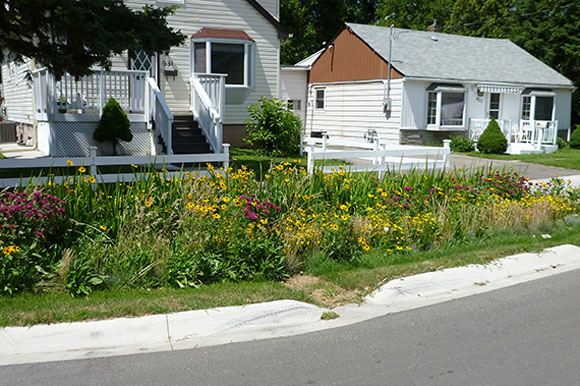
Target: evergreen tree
113	126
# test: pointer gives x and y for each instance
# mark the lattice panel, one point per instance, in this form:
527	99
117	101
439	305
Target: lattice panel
143	62
74	138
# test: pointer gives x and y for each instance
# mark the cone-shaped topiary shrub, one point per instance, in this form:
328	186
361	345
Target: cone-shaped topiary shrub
575	138
113	126
492	141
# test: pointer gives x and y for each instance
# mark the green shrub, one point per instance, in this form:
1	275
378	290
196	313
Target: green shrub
575	138
561	143
462	144
492	141
272	128
113	126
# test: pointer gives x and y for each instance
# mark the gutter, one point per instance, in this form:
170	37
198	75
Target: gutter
511	84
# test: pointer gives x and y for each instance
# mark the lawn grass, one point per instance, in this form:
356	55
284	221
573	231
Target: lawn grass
564	158
334	280
260	164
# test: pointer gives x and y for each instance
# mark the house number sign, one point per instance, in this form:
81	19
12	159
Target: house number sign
168	66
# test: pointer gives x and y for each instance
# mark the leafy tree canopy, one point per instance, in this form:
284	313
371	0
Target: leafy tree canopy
73	35
547	29
313	22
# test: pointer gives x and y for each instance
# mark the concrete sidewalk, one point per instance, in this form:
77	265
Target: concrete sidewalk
192	329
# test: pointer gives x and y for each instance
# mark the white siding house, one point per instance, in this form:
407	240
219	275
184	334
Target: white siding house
229	60
354	109
436	86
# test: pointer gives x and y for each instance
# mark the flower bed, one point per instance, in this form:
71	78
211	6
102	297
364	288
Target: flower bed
195	229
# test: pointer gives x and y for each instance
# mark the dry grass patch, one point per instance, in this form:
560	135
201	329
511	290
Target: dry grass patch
322	292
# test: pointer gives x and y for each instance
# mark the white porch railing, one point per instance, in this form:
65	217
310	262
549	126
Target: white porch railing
158	110
537	132
478	126
88	94
208	106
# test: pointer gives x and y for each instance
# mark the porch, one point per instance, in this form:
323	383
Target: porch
525	137
68	109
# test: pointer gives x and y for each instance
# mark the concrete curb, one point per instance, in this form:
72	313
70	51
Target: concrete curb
82	340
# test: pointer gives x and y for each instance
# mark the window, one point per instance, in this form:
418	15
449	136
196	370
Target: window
526	107
320	98
538	104
294	105
493	111
231	57
445	106
432	108
543	110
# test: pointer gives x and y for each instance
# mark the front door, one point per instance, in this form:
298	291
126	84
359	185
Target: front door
140	61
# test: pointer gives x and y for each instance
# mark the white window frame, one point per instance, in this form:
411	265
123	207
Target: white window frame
316	98
489	109
291	104
249	59
533	106
437	125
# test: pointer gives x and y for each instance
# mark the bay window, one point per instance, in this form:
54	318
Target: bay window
445	107
235	58
538	104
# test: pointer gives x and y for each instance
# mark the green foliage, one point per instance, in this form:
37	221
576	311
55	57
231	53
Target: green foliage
73	35
561	143
462	144
492	141
415	15
575	138
113	126
20	268
546	29
272	128
190	230
313	22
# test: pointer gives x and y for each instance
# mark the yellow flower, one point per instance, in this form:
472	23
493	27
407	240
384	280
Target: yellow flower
216	216
82	169
69	163
334	227
103	227
134	166
92	179
148	203
226	199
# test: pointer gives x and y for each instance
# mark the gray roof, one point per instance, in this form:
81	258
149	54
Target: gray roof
431	55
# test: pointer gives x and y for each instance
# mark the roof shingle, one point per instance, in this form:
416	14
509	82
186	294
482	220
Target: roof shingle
432	55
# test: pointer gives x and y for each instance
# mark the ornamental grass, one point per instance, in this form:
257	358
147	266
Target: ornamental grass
226	225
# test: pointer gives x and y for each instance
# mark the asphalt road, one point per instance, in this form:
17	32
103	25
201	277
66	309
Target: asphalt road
527	334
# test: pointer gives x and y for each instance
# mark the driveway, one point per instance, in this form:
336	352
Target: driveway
533	171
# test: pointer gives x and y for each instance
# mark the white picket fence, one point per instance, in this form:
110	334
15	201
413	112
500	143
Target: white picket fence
384	157
91	163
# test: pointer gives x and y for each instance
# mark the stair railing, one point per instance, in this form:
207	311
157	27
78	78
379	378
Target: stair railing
159	111
208	108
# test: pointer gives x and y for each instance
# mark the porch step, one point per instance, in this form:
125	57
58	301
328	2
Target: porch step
187	136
